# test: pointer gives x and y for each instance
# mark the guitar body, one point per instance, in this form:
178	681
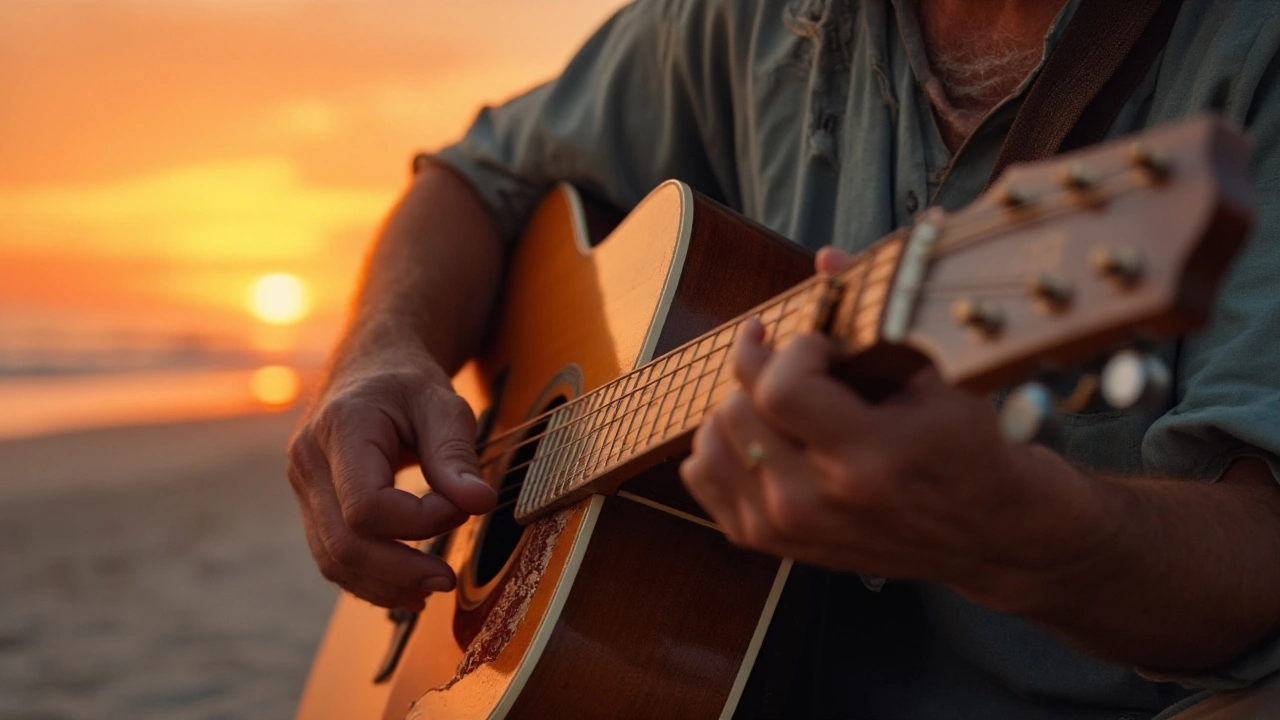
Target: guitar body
626	605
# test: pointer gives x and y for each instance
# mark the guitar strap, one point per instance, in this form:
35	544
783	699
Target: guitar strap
1103	54
1098	62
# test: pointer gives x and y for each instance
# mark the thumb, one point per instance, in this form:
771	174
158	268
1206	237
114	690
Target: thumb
445	429
831	260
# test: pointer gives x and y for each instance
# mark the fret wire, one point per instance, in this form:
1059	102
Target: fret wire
598	432
662	398
568	449
615	431
687	367
617	436
715	379
649	408
551	457
647	397
684	421
643	383
563	448
594	436
600	435
777	325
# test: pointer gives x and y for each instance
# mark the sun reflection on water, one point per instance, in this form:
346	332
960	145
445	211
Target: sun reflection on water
275	385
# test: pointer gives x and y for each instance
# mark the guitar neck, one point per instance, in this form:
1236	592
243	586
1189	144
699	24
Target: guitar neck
634	422
1057	262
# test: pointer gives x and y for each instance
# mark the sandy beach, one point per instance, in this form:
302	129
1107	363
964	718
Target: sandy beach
154	572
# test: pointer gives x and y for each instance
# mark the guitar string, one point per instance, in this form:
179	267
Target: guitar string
775	324
1047	208
608	460
806	285
959	241
670	371
630	413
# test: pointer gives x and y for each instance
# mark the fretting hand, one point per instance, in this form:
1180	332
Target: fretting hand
922	485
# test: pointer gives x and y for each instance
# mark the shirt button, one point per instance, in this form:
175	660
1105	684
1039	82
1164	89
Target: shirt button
911	202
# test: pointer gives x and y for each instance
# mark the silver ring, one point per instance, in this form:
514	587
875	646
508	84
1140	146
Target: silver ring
757	455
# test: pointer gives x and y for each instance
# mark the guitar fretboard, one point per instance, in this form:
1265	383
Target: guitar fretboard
665	400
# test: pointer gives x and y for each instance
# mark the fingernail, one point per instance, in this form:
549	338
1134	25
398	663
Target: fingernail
439	583
472	478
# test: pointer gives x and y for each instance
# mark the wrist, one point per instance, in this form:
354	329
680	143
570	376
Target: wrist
380	348
1065	538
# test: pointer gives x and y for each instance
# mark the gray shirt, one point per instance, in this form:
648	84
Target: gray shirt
812	117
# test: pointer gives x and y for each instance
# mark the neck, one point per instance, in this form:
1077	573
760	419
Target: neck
980	51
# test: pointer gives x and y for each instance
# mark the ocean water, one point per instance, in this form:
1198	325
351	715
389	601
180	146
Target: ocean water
32	405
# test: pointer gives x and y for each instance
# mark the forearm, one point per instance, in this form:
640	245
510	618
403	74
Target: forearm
432	278
1171	576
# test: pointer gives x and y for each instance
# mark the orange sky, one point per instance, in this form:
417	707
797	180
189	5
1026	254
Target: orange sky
158	155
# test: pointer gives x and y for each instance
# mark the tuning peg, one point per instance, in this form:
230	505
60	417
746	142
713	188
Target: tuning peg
1028	414
1132	379
1078	176
1154	162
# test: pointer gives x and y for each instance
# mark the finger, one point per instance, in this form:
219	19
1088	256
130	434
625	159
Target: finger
364	565
740	424
371	590
795	391
446	429
831	260
749	353
712	474
788	482
362	447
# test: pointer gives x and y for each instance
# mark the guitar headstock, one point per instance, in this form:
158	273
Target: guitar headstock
1063	259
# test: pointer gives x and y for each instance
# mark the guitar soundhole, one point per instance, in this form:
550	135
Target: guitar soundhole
501	532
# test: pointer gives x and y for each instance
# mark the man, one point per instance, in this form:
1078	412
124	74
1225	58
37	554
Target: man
1076	581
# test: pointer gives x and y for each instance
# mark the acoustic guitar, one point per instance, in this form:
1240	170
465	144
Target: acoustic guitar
597	588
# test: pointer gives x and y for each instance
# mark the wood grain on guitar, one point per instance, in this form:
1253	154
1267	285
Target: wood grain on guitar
636	606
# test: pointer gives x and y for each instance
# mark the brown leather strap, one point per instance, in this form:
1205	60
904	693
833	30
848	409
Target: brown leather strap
1101	57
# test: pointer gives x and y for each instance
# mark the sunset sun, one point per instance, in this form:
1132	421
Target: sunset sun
278	299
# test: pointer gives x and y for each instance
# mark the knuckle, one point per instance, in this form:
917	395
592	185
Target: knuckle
447	406
865	483
736	405
788	514
455	448
298	479
755	533
360	512
775	394
329	569
300	447
336	414
346	551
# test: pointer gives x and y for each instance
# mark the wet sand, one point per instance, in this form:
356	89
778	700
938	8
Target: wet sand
155	572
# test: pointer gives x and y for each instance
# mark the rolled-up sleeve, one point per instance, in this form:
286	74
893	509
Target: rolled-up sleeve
1228	376
646	99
